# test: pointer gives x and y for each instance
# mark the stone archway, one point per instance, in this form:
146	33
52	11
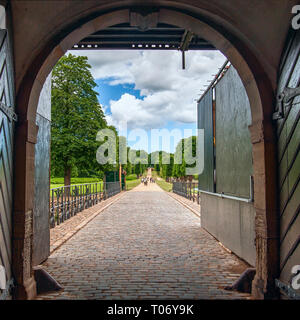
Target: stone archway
260	92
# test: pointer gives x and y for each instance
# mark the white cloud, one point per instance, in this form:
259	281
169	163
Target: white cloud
169	91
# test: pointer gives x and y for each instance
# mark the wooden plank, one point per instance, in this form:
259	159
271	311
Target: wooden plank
5	168
289	213
5	205
289	76
291	130
289	170
289	63
5	255
289	241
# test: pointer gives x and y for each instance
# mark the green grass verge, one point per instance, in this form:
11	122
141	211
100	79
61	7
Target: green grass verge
75	180
154	174
131	177
132	183
99	186
56	185
164	185
58	182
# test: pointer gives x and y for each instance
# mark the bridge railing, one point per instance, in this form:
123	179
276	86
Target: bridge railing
189	190
67	201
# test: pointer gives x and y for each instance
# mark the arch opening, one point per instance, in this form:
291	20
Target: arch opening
260	95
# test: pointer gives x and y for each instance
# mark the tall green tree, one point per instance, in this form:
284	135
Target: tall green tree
179	169
76	117
167	168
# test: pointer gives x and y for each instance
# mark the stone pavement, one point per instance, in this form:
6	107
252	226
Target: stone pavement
192	205
62	232
146	245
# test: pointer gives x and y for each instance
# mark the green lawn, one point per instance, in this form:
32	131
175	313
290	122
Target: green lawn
132	183
131	177
154	174
75	180
58	182
164	185
82	189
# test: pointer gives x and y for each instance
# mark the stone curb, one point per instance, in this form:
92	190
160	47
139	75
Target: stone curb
70	234
185	205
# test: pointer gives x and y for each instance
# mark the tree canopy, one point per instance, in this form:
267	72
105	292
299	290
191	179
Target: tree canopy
76	118
183	157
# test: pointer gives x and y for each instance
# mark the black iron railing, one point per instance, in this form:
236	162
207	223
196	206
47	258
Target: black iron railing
189	190
111	188
67	201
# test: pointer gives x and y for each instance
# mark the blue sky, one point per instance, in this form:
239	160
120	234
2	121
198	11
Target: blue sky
109	92
148	90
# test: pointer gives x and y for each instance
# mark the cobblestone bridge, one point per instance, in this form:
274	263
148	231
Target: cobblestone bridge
146	245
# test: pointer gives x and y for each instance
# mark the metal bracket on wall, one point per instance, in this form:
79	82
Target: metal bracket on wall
287	290
11	115
144	18
283	98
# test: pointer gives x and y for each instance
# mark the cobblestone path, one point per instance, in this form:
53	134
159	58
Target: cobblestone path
146	245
